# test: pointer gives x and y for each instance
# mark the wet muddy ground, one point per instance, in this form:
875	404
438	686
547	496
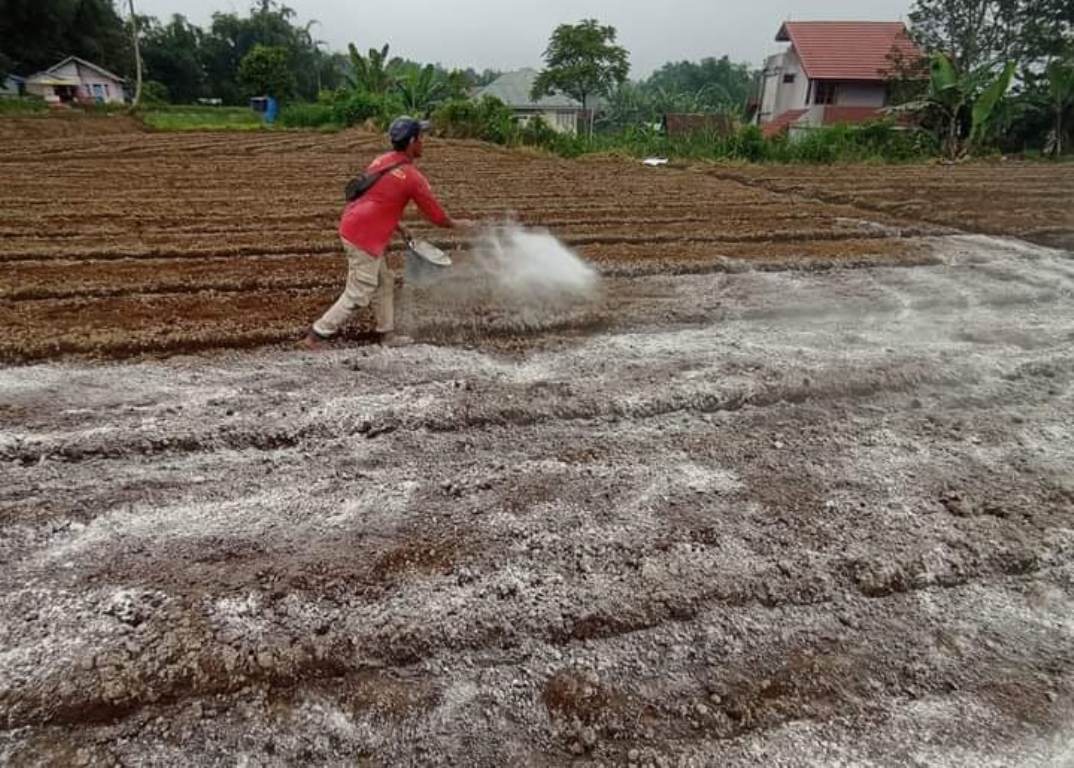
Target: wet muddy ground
794	489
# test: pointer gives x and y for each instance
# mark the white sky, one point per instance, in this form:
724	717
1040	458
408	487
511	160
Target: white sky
508	35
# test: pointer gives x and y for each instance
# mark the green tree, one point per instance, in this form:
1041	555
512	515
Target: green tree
1061	91
422	90
457	84
958	98
582	61
334	68
630	105
973	33
155	92
976	34
266	71
173	57
711	85
230	37
35	34
370	73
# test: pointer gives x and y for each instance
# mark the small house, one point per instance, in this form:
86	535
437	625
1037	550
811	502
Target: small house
831	72
514	89
76	80
12	86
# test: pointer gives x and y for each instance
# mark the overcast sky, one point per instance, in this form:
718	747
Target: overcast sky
508	34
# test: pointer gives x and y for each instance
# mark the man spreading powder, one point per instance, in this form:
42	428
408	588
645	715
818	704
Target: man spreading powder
366	228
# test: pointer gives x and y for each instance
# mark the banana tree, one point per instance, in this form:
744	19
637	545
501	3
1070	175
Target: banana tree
422	90
370	72
951	93
1061	90
984	106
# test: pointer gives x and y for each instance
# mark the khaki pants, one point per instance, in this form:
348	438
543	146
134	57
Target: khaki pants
368	279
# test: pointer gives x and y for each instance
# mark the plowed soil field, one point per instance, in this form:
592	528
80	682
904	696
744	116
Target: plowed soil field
131	242
794	489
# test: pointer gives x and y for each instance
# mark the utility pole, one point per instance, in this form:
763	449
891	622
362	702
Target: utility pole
137	58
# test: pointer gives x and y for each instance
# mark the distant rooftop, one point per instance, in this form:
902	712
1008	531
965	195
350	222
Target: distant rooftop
89	64
514	88
847	50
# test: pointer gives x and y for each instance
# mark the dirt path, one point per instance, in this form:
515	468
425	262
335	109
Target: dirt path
730	517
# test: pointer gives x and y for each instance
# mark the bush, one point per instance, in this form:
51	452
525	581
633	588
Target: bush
879	140
356	107
22	105
154	93
309	116
749	144
489	120
538	133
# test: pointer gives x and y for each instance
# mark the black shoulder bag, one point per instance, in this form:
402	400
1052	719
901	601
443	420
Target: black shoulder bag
364	181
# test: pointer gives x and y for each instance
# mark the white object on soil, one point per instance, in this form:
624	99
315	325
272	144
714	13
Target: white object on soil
430	253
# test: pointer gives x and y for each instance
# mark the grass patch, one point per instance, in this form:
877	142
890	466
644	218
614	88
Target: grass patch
186	118
323	117
175	117
23	105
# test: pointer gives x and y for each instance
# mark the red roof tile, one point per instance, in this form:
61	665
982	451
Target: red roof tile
847	50
782	122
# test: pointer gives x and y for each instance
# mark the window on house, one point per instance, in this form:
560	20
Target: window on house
824	92
789	78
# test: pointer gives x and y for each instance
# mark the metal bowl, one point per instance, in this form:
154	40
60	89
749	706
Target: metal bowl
429	252
425	264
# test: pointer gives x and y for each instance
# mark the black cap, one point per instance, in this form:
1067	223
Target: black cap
405	128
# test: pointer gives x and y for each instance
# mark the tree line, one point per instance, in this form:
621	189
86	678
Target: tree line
998	73
185	62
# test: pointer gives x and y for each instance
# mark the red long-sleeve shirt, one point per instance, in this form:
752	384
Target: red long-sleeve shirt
369	221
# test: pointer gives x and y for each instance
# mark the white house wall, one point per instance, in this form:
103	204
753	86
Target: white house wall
773	68
70	69
46	92
792	95
564	122
560	121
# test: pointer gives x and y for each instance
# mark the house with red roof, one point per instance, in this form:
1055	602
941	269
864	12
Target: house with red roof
832	72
